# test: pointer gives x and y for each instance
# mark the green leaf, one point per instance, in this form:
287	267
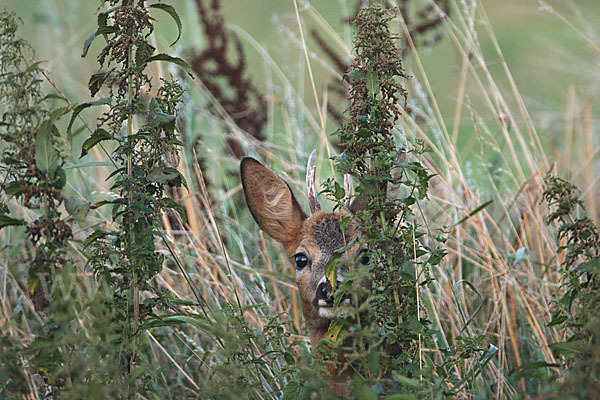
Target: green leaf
170	203
76	208
5	220
533	366
79	108
171	11
97	80
93	237
46	156
293	391
90	164
96	137
475	211
87	43
33	66
436	256
339	192
14	189
103	16
372	82
355	74
289	358
174	60
566	348
162	117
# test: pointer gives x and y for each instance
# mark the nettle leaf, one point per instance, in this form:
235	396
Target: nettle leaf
335	328
87	43
171	59
46	156
98	136
103	29
76	208
5	220
162	117
171	11
14	189
94	237
170	203
331	268
97	80
339	192
372	82
79	108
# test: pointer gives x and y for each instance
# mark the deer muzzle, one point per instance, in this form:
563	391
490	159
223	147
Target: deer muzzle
323	300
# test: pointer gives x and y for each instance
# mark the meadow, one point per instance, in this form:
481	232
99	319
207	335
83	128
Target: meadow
163	286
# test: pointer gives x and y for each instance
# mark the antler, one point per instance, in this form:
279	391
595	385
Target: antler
310	183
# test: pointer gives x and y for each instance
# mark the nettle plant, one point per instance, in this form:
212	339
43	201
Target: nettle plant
384	337
577	303
145	157
31	159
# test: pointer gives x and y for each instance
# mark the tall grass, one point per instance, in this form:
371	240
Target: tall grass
237	328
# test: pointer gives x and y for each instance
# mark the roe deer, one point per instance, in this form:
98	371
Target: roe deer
309	241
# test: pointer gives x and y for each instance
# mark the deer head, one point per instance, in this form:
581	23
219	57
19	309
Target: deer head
309	241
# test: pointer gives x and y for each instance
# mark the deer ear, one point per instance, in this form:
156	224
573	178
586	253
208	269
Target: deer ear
271	201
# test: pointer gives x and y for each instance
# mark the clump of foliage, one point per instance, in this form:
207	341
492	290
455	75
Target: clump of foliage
423	24
31	158
388	332
577	306
145	158
225	79
33	178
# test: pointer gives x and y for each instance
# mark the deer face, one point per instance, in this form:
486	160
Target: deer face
308	241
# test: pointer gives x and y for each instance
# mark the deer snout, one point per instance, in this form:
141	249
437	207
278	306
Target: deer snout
324	294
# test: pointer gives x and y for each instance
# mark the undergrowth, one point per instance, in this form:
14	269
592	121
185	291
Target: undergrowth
123	276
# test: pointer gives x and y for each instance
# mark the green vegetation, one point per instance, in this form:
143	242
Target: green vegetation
129	267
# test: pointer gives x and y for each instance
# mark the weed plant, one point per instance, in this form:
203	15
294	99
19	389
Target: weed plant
177	294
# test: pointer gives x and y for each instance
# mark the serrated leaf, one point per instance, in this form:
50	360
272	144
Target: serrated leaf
171	59
76	208
33	66
14	189
79	108
97	80
46	156
5	220
293	391
87	43
566	348
533	366
170	203
162	117
171	11
96	137
335	328
372	82
93	237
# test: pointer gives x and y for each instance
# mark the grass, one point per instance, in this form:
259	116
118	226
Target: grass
502	268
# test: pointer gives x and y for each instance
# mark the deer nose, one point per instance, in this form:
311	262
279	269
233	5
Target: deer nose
323	297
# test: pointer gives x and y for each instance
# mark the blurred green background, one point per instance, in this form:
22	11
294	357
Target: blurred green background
547	58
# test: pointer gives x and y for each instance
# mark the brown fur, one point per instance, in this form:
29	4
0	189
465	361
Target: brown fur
277	212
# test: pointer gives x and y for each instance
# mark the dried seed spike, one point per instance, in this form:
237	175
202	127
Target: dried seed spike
310	183
348	189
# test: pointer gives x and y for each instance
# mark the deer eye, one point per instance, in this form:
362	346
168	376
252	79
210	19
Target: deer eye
301	261
365	258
